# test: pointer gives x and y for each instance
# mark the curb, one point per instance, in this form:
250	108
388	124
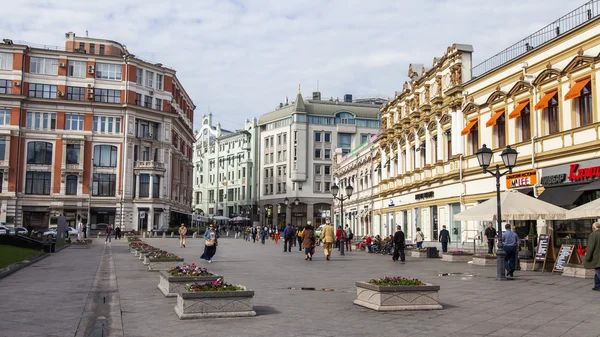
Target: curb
4	272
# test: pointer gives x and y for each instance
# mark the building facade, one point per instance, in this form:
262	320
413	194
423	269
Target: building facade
225	181
298	142
91	132
543	102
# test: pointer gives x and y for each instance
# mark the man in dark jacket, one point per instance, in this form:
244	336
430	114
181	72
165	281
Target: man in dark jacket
592	256
490	235
444	239
290	238
399	245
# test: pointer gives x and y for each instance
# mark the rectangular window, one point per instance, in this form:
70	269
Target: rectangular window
101	49
317	186
317	136
149	78
73	153
327	153
158	104
6	61
4	117
71	185
107	71
77	69
107	96
317	153
138	99
473	139
448	144
105	156
148	102
2	149
42	90
327	137
156	186
551	114
74	122
81	45
145	153
110	124
525	123
37	183
139	76
5	86
500	131
92	48
95	124
364	138
103	124
144	185
344	142
34	121
75	94
159	81
583	105
45	66
327	170
104	185
317	170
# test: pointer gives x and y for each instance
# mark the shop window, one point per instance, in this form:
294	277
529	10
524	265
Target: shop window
583	106
525	124
500	131
551	116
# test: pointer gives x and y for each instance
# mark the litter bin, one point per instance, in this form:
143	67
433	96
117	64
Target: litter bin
432	252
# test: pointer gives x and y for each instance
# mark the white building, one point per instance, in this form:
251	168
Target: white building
297	146
224	179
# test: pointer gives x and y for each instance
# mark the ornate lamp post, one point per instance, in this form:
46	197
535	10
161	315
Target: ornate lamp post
334	191
509	157
286	202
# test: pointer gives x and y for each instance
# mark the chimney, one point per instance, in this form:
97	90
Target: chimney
316	95
348	98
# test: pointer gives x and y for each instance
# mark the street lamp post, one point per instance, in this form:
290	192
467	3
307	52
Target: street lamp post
286	202
509	157
334	191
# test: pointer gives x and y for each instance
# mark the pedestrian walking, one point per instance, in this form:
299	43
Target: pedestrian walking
338	237
210	243
592	256
444	239
349	237
419	238
254	232
80	231
108	233
276	236
490	236
299	237
399	244
510	240
263	235
308	241
328	238
85	231
118	233
289	235
182	234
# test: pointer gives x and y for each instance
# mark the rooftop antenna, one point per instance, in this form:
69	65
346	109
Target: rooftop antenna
86	33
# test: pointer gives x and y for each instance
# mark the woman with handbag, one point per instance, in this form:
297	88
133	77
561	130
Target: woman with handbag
308	241
210	243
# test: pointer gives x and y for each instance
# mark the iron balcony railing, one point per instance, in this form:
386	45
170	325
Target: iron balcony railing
587	12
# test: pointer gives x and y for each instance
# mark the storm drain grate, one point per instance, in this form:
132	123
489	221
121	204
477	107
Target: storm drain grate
311	288
457	274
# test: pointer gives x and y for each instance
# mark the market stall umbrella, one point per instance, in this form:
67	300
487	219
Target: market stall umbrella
515	206
591	210
220	217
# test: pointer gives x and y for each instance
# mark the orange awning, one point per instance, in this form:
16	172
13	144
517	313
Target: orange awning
469	126
494	118
517	111
543	103
576	89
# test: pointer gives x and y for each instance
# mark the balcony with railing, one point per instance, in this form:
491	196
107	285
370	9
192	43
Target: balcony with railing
149	165
576	18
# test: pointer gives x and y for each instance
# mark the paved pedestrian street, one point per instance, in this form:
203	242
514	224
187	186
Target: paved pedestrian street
80	292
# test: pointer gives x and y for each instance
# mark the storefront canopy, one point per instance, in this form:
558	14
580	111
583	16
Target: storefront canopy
591	210
515	206
563	196
220	217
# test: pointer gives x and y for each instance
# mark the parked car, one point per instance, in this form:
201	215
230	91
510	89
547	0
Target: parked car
51	232
18	231
318	231
4	230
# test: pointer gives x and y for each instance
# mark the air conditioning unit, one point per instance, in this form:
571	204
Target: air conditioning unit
62	64
90	90
151	135
89	85
151	93
17	84
90	69
90	96
60	94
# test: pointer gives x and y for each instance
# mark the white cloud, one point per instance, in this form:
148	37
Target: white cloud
243	57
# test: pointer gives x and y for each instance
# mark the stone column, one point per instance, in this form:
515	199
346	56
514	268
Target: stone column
391	165
136	193
383	169
400	168
428	148
440	142
150	219
288	215
150	188
457	126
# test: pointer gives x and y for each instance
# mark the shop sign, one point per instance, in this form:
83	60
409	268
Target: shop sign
521	179
426	195
575	172
299	214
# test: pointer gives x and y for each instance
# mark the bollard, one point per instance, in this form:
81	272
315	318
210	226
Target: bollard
144	235
172	234
195	235
164	235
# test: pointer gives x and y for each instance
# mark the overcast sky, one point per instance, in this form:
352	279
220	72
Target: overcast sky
243	57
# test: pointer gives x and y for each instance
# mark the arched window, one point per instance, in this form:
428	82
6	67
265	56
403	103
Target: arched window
39	153
71	185
105	156
344	118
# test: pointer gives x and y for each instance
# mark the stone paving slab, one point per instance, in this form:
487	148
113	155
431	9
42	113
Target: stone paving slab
535	304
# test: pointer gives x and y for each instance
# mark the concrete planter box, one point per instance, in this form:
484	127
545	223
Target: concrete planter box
484	260
170	286
528	264
212	304
448	257
398	298
577	270
163	264
79	246
418	253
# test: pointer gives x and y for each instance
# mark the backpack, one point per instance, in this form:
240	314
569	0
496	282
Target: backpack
291	232
351	236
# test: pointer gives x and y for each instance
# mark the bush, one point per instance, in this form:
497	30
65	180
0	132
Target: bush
396	281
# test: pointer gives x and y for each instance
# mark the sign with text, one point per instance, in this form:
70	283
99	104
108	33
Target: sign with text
521	179
575	172
542	247
564	256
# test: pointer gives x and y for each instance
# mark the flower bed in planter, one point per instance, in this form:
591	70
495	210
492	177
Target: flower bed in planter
173	281
162	260
577	270
81	244
485	260
214	299
418	253
397	294
457	256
